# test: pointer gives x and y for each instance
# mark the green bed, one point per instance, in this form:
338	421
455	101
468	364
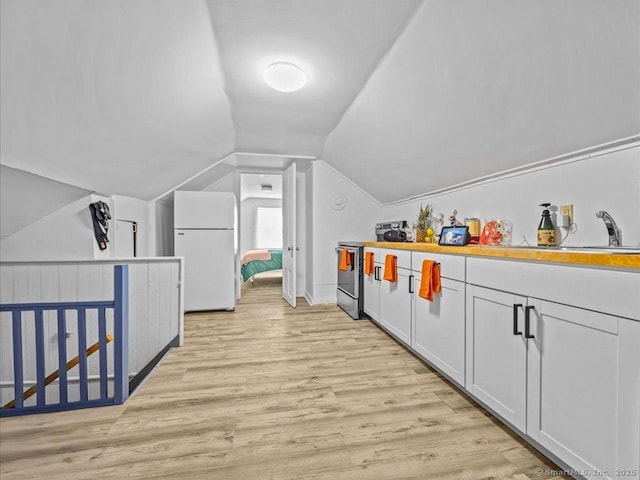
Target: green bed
258	266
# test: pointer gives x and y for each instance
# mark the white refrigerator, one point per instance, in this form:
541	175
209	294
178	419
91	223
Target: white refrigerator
204	234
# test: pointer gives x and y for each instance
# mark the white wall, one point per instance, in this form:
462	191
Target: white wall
65	234
355	222
141	212
249	208
163	228
605	181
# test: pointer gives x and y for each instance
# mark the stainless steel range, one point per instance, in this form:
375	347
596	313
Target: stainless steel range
351	281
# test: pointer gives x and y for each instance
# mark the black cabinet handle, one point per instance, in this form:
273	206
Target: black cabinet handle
527	321
516	306
410	283
377	273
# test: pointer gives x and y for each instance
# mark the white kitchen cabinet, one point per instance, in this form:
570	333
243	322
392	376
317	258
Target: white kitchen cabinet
496	348
567	377
583	394
554	350
438	327
394	298
395	305
372	286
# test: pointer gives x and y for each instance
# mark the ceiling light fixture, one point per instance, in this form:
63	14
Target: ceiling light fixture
284	77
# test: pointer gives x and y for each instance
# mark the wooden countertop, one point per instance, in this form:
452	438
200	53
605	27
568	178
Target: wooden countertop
589	258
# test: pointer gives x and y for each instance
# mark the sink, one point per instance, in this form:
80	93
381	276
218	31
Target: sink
607	249
588	248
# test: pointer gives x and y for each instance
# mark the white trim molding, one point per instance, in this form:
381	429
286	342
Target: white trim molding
576	156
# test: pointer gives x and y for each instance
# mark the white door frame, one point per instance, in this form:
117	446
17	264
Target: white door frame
134	231
238	192
289	241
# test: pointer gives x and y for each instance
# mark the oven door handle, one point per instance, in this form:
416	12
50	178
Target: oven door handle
350	250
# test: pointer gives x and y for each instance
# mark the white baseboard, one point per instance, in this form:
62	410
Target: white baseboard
319	301
308	297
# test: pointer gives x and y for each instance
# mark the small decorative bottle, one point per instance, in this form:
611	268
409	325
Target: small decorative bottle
546	230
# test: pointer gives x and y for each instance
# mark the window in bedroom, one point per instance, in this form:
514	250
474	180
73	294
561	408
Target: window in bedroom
269	227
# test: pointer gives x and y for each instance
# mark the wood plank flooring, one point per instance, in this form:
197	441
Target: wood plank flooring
268	392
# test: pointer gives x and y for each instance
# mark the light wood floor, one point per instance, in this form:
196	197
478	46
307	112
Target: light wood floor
268	392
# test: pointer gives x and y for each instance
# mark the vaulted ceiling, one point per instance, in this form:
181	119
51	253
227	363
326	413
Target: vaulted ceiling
135	97
337	43
121	97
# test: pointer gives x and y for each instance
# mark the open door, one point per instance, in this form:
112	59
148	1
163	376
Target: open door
289	235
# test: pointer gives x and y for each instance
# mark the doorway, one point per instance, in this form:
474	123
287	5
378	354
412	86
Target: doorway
126	239
261	229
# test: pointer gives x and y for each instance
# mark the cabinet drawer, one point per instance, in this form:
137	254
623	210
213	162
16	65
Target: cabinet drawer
404	257
451	266
375	251
607	291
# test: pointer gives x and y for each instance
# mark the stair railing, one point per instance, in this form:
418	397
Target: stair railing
120	306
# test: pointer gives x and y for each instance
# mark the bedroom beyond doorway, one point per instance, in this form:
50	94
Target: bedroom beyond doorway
264	280
261	228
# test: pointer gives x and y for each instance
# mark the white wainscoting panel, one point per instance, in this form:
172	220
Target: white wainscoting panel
155	313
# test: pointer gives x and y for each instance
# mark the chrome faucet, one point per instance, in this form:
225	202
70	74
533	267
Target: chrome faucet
615	234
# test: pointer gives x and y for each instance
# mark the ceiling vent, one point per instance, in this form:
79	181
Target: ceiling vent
266	187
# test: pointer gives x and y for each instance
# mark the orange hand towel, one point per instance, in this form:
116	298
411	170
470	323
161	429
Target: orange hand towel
345	260
391	268
430	282
369	263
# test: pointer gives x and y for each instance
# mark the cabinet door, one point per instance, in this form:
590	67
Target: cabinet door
395	306
584	388
372	293
496	356
439	328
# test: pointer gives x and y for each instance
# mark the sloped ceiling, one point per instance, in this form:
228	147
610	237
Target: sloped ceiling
337	43
26	198
135	97
472	88
121	97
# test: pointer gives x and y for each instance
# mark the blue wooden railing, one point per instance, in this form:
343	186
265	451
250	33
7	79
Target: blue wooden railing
120	306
